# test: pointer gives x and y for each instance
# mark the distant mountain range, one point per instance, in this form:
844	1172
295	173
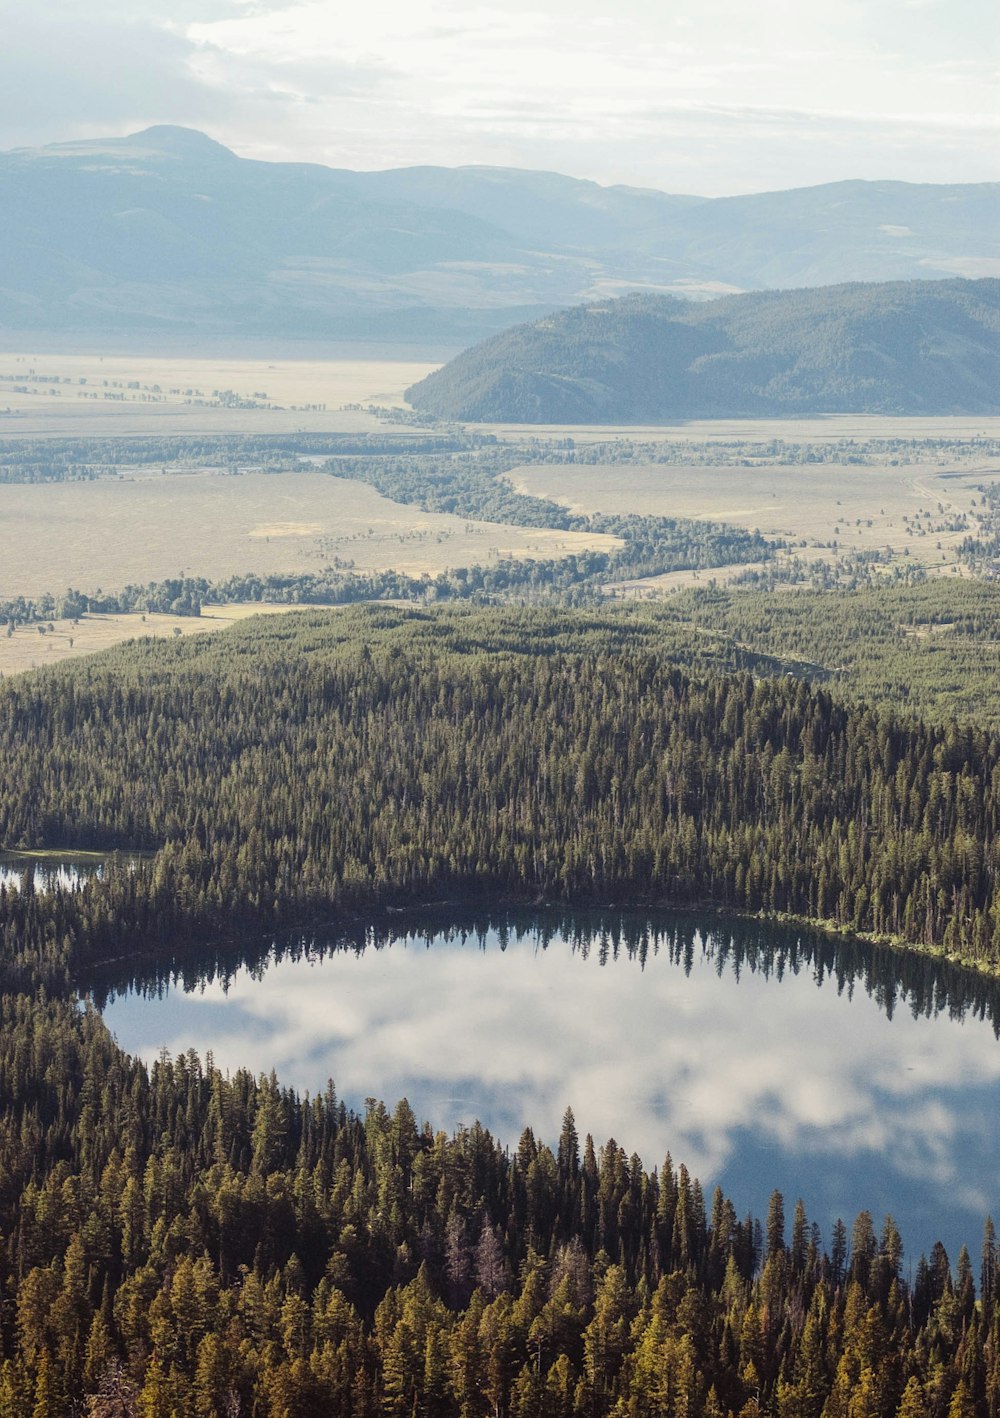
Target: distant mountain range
903	347
168	231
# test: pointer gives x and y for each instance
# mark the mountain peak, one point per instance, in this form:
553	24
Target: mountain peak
185	142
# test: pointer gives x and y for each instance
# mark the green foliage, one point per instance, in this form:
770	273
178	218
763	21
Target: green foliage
930	647
175	1241
318	764
38	460
902	347
154	1261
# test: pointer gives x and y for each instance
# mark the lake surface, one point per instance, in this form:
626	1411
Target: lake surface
45	875
761	1056
65	870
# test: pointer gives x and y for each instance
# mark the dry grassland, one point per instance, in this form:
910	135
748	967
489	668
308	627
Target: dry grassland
71	395
826	428
29	649
108	534
922	512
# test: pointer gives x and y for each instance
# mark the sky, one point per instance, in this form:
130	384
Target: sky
700	96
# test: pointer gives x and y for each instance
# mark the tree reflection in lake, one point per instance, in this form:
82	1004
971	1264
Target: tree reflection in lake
761	1055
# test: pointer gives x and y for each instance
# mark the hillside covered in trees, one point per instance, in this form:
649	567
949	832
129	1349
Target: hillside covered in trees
917	347
287	772
177	1242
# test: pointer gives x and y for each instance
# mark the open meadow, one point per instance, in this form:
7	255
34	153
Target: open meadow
115	532
921	512
144	525
31	647
821	428
90	395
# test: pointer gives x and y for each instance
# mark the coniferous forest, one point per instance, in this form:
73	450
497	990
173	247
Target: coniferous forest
174	1241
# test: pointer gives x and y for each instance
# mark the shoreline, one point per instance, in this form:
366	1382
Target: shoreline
384	914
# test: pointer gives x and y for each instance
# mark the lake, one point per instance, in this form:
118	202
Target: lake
760	1055
46	873
68	871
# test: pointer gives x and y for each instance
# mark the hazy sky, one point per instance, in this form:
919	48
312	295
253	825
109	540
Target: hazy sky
706	96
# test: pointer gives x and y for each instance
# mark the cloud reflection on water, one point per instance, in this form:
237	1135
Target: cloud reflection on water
717	1070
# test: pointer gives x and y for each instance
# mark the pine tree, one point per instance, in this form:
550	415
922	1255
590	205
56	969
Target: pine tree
988	1267
912	1404
775	1224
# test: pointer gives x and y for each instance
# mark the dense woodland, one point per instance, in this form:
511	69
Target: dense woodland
287	771
174	1242
925	646
178	1243
913	347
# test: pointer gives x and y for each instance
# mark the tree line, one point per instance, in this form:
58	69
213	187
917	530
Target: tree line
290	771
175	1243
45	460
649	546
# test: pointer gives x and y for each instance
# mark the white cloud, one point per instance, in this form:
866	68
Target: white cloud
718	96
67	73
656	1059
815	92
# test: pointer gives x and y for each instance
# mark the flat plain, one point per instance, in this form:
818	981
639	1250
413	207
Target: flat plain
822	428
920	511
115	532
91	395
144	525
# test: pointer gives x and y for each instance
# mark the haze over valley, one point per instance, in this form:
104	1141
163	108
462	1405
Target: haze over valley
168	235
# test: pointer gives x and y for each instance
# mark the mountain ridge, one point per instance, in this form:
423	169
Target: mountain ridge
905	347
167	230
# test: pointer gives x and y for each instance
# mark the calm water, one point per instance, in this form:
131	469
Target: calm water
68	875
67	872
759	1056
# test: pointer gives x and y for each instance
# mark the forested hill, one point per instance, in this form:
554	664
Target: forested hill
904	347
387	758
176	1243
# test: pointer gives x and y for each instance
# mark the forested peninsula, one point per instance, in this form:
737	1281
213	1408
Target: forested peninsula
178	1242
